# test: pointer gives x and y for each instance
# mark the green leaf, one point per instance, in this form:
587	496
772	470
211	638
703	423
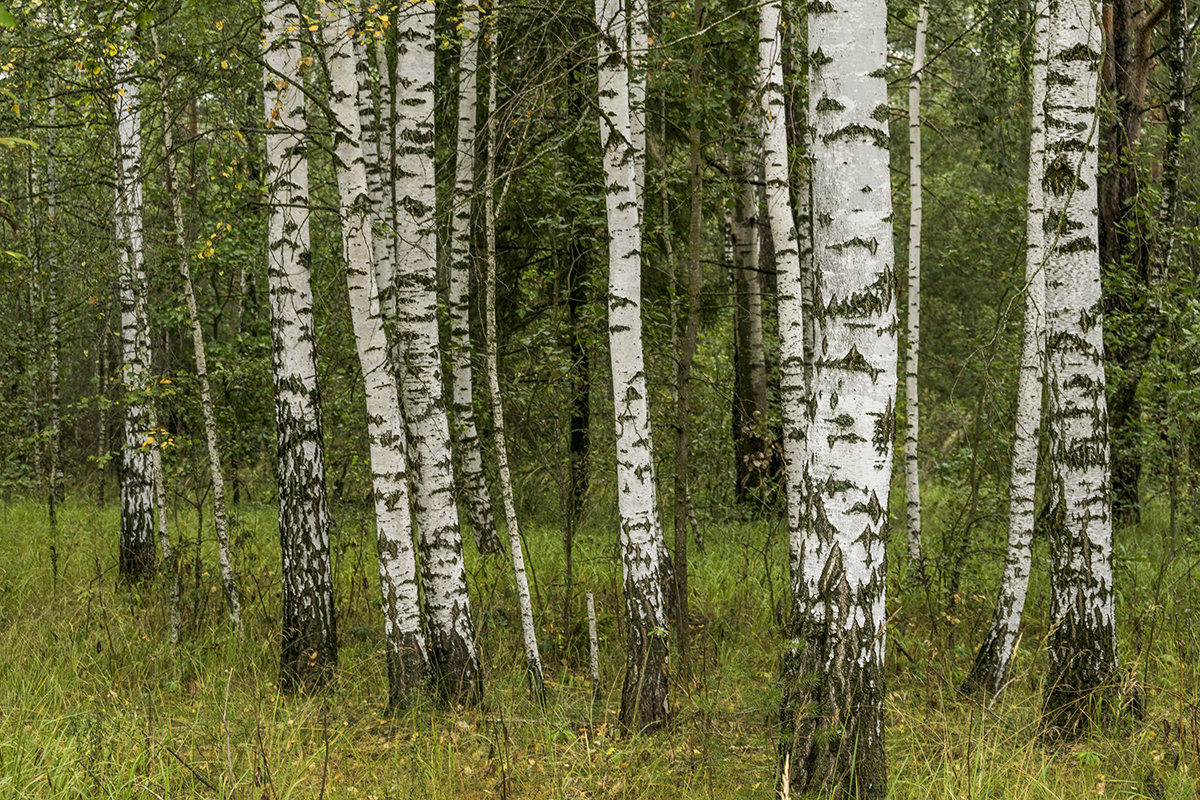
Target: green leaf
7	20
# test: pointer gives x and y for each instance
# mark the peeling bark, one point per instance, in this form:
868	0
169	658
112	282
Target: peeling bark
644	694
832	733
451	630
1082	639
407	667
912	480
137	555
309	646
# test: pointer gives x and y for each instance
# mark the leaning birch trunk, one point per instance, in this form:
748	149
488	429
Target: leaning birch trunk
309	647
639	49
912	482
137	472
169	568
644	695
1082	639
989	673
450	627
220	516
533	660
466	436
385	423
833	738
792	379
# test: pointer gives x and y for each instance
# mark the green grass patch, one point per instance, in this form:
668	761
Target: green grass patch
96	703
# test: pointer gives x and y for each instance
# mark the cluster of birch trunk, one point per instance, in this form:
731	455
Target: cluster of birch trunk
830	231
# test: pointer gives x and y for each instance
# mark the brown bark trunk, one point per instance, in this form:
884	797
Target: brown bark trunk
1124	240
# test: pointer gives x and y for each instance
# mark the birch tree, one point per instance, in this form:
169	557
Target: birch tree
137	554
309	647
385	423
533	659
792	313
644	694
466	436
168	566
1082	639
378	129
639	49
220	515
990	669
832	736
448	610
912	482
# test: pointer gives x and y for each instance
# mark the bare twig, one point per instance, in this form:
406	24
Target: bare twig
199	777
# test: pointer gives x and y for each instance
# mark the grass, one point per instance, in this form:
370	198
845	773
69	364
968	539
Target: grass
95	702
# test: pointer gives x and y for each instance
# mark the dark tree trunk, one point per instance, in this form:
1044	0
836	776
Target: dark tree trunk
580	410
1124	241
752	441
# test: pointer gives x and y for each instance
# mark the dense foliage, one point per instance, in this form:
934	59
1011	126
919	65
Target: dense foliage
60	357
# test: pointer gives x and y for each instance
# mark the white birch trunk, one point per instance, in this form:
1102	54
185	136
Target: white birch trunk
593	646
448	609
832	741
989	673
385	422
309	647
533	660
804	245
1082	639
383	196
220	515
466	436
912	482
373	114
137	473
639	48
644	696
169	568
787	268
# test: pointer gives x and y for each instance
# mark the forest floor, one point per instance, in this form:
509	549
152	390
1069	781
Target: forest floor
96	703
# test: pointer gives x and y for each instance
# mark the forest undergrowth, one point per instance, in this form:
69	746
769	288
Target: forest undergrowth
96	703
